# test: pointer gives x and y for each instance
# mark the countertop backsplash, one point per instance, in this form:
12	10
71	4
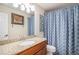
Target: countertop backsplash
10	39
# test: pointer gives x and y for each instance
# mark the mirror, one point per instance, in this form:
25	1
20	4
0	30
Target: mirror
41	23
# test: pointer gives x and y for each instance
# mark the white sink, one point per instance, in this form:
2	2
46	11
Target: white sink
27	42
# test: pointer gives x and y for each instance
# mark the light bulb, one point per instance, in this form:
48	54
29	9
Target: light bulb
22	7
32	8
28	10
15	5
27	5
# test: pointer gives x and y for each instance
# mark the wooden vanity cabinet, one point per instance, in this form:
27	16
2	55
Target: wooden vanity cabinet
42	52
39	49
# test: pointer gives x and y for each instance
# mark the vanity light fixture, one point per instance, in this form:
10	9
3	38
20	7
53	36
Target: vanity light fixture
27	7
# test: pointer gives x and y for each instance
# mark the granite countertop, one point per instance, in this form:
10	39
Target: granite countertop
15	47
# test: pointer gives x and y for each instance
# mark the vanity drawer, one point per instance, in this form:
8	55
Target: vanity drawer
34	50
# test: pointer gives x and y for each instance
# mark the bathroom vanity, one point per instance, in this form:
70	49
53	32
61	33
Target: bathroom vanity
38	49
32	46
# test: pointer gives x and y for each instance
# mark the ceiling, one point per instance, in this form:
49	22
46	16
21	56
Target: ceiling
49	6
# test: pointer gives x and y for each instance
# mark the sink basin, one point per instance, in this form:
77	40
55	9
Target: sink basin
25	43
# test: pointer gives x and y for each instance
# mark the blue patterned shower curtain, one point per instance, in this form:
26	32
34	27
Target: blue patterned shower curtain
61	28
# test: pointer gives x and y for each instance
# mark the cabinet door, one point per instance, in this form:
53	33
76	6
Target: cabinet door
42	51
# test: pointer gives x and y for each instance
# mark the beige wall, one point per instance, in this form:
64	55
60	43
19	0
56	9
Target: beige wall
15	30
